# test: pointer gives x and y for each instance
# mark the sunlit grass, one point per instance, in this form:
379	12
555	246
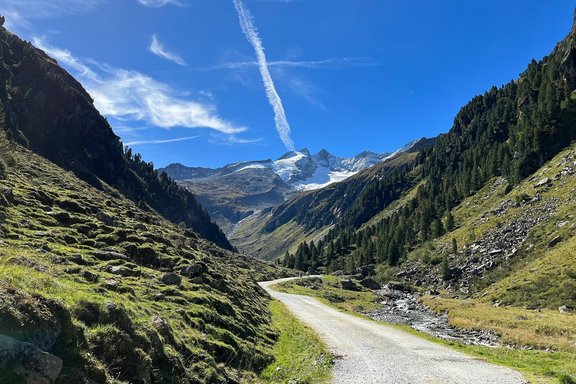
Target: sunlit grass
300	356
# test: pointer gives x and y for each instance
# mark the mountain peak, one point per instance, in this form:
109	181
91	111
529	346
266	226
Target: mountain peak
305	151
323	153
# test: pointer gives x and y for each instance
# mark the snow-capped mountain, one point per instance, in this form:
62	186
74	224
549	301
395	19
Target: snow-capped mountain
237	190
298	169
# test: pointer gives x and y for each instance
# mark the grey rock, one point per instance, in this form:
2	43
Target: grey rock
370	283
555	241
197	280
163	328
90	277
542	182
398	286
565	309
105	219
121	271
348	285
7	193
171	279
338	273
366	270
109	255
28	361
112	284
193	270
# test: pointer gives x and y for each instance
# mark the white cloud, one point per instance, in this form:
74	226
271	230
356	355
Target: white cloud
282	126
132	96
330	63
149	142
305	89
159	3
20	12
217	138
157	48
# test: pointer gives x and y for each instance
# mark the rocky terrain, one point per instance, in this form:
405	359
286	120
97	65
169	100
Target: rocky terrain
237	191
311	214
402	306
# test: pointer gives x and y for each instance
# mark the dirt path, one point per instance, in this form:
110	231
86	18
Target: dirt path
370	352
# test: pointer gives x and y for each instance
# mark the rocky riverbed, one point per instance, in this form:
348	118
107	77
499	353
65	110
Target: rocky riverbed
399	306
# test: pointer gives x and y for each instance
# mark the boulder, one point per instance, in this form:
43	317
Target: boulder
163	329
171	279
28	319
7	193
565	309
104	218
112	284
27	362
121	271
543	182
197	280
193	270
370	283
109	255
348	285
555	241
398	286
90	277
366	270
338	273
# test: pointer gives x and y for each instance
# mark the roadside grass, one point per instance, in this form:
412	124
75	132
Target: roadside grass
517	326
300	356
327	289
541	329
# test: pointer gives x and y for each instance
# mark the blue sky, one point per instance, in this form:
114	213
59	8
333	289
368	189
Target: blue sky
211	82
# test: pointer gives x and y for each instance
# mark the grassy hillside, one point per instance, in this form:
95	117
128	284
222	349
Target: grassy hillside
112	292
499	141
310	215
49	112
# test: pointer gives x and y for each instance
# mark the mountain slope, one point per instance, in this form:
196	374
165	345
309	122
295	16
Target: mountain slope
499	149
96	286
125	294
308	216
237	191
48	111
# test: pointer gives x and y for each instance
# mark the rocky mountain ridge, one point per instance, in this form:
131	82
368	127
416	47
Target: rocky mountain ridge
236	191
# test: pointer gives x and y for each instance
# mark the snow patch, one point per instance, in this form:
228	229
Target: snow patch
252	166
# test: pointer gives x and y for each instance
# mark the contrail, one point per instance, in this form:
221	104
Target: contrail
282	126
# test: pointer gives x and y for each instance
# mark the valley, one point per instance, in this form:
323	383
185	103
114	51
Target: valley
115	272
237	191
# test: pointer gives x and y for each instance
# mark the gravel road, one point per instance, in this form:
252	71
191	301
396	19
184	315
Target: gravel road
368	352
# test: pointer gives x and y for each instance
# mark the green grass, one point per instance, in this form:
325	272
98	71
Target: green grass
537	366
328	291
51	232
300	356
541	329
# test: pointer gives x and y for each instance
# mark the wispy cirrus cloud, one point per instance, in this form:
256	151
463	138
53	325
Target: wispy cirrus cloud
281	122
154	142
160	3
128	95
330	63
217	138
18	13
157	48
